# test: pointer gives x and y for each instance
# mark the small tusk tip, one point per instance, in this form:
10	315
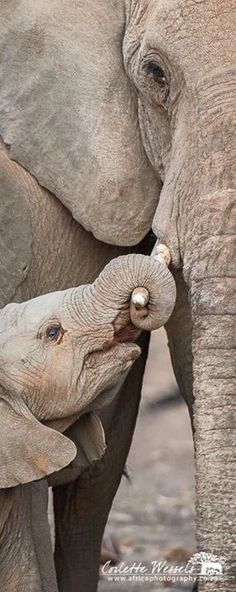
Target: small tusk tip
162	253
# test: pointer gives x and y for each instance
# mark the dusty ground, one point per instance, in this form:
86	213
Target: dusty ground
153	517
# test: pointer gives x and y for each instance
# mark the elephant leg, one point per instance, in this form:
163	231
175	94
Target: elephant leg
82	507
26	558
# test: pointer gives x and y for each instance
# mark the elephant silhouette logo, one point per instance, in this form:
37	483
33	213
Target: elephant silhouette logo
209	568
210	565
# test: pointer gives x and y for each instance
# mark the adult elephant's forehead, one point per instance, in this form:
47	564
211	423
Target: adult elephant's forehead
69	114
195	34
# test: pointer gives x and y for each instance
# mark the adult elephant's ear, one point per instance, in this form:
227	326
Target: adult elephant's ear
29	450
69	114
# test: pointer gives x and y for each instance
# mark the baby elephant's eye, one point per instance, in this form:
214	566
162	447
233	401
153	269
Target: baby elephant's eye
55	332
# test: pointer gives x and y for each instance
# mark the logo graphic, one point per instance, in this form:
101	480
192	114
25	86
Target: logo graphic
210	565
200	565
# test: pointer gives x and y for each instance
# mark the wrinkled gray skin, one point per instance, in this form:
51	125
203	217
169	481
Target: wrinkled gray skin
61	355
71	114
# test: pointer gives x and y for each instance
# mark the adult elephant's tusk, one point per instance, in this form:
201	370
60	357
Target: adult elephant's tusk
140	298
162	253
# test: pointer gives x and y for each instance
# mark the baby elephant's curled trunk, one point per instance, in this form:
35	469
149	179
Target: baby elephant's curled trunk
142	282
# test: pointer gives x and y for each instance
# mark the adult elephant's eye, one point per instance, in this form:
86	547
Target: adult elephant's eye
159	80
157	73
55	333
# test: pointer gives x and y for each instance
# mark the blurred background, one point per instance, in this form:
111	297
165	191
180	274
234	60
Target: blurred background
152	517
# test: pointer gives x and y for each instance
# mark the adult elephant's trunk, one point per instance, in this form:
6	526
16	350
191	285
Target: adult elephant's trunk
213	301
111	294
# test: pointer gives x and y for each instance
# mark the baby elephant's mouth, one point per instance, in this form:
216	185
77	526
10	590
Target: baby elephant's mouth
126	334
121	348
123	343
112	363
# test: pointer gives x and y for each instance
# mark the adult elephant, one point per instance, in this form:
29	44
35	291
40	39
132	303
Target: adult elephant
79	81
103	168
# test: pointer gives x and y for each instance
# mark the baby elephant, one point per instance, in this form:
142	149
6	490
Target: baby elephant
58	353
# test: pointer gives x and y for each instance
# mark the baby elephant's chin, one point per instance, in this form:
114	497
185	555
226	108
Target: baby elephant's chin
104	371
118	362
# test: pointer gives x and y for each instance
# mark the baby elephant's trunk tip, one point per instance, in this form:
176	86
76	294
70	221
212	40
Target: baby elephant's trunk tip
140	298
139	306
153	300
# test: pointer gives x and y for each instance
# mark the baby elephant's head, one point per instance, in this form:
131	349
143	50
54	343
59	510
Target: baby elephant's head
58	352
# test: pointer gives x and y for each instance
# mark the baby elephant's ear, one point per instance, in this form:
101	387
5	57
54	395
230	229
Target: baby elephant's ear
88	435
29	450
